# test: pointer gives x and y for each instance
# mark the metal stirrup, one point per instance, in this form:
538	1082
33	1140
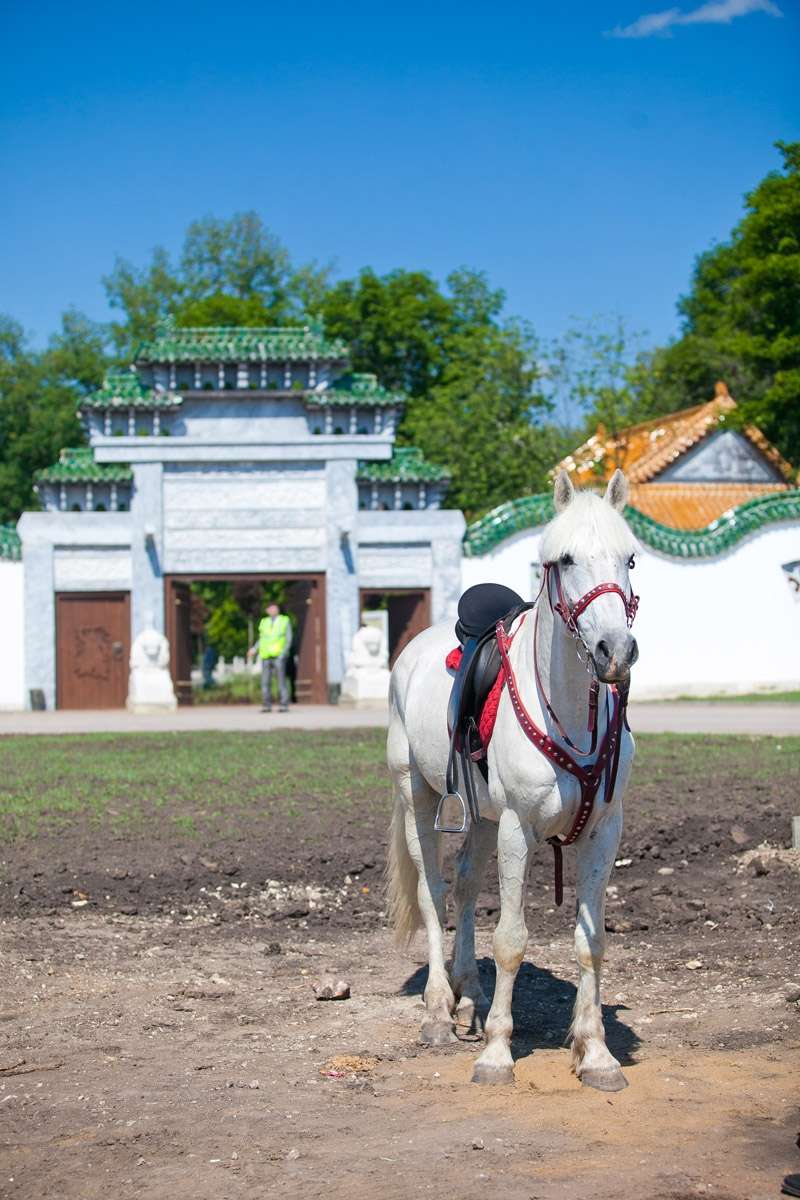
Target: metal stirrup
439	824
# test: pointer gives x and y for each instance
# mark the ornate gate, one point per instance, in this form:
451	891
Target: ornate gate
93	645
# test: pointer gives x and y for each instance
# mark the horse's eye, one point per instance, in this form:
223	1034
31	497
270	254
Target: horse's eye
631	563
567	560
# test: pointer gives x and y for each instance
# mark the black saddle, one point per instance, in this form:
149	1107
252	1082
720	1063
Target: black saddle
479	610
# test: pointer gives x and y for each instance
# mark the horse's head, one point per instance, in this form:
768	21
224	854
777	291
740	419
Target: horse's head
588	551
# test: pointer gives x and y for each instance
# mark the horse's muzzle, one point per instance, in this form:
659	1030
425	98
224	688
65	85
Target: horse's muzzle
614	655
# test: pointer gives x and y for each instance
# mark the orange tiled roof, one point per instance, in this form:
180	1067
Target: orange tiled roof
643	451
694	505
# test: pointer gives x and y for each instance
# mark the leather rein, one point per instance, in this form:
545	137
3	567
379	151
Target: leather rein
606	762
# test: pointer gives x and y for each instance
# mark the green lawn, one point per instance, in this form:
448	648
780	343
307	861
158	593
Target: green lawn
200	780
194	777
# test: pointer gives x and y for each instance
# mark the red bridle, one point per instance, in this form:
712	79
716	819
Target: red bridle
607	762
569	613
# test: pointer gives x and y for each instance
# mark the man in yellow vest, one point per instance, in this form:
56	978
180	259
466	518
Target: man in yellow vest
273	645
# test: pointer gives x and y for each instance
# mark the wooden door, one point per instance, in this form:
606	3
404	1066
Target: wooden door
305	600
179	636
93	649
409	614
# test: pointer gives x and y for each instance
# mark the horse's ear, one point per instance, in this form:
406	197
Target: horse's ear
617	491
563	491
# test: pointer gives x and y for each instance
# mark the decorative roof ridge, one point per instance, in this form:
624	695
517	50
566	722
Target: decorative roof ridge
529	512
407	465
172	342
698	423
165	328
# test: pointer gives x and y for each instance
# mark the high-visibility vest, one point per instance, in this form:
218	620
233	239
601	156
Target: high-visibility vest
273	636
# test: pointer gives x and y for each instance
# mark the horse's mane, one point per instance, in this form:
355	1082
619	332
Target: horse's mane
587	525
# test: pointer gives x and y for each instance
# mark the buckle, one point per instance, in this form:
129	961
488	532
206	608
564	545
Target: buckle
451	809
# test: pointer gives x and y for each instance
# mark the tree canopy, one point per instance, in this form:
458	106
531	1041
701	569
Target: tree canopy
39	393
741	317
229	272
486	400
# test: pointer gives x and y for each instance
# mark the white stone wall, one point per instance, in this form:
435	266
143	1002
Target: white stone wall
12	635
725	624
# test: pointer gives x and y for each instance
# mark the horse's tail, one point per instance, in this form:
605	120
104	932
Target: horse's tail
402	878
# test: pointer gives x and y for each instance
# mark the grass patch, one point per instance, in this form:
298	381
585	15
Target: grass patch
196	779
203	781
239	689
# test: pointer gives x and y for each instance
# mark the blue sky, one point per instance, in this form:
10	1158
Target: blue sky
581	153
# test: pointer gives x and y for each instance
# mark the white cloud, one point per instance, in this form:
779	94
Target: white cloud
716	12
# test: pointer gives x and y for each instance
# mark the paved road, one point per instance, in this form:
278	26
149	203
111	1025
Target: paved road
668	717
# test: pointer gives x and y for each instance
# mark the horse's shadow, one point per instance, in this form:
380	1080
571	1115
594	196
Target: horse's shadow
542	1010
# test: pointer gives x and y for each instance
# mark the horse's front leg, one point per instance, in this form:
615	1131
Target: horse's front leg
471	867
495	1064
592	1061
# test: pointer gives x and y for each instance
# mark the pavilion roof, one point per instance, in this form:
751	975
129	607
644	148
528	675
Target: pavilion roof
282	343
357	388
124	389
407	465
76	464
643	451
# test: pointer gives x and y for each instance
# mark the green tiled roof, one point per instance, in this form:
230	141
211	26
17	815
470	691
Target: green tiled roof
405	466
125	389
357	388
531	511
76	465
173	343
10	545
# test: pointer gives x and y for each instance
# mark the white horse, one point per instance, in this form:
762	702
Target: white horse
529	798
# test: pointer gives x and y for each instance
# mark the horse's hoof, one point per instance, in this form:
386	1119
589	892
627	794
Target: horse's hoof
470	1020
607	1080
484	1073
437	1033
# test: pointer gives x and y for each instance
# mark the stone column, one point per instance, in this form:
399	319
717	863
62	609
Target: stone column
147	547
341	582
446	582
40	612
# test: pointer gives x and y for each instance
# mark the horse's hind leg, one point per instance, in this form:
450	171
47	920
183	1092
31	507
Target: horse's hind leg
495	1064
471	867
424	846
592	1061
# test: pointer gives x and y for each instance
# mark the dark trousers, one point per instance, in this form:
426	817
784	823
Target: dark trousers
270	666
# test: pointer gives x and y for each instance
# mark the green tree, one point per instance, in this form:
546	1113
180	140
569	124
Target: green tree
742	314
229	272
591	377
395	325
39	394
483	415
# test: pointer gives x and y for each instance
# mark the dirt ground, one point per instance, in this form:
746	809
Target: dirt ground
160	1037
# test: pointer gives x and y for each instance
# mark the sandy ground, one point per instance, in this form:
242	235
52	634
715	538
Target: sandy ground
160	1037
766	717
159	1058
